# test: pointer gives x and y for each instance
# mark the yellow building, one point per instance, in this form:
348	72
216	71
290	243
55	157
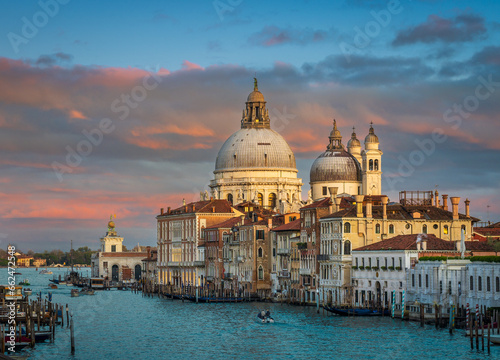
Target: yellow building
23	260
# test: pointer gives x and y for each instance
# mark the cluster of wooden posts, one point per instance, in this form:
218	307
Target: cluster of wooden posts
479	328
34	321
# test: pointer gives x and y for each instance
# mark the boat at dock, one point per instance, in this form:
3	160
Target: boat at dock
355	312
495	339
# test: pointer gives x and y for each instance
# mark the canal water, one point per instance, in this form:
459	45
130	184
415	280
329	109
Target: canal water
123	325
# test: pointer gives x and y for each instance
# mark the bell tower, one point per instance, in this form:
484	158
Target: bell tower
372	165
111	242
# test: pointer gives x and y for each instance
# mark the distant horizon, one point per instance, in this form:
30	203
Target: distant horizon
122	110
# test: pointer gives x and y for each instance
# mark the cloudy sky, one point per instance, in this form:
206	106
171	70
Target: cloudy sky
120	107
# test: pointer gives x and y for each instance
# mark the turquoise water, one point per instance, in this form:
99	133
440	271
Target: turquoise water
122	325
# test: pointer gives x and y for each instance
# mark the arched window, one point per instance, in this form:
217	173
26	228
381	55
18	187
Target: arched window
377	229
371	164
259	252
424	229
376	164
347	247
391	229
272	200
347	228
260	199
261	273
230	198
445	229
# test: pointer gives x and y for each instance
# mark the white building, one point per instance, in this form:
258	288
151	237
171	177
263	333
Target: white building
456	282
112	262
381	268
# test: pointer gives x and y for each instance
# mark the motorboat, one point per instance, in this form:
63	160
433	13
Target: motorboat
45	272
86	291
25	282
53	286
265	317
75	293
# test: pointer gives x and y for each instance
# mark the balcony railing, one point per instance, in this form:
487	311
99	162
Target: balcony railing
199	263
304	271
283	251
323	257
284	273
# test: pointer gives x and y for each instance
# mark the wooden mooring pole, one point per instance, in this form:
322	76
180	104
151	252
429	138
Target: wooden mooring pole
72	331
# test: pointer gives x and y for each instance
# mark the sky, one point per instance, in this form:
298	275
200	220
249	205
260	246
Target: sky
120	107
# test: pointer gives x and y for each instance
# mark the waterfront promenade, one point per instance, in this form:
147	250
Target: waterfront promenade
123	325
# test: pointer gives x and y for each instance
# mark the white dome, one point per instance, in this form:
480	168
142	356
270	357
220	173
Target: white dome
255	149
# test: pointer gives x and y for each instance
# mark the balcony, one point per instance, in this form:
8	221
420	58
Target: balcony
199	263
284	274
283	251
305	272
323	257
173	263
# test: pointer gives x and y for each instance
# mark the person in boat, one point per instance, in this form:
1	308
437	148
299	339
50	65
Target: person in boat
261	314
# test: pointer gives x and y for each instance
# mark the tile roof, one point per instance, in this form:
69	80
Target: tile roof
227	224
478	246
409	242
207	206
291	226
400	212
487	231
325	202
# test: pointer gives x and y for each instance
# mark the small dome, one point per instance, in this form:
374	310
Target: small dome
353	141
335	165
371	137
256	96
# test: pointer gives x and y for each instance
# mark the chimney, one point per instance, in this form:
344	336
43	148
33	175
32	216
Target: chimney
436	197
338	200
211	198
467	211
148	249
369	208
359	205
270	223
424	244
385	200
185	208
445	202
213	209
454	204
168	210
161	211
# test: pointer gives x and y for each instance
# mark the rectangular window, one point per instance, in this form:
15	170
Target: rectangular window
356	262
488	285
471	283
497	284
378	263
441	286
105	264
426	280
325	191
479	285
419	280
113	248
370	262
363	262
449	287
260	234
413	280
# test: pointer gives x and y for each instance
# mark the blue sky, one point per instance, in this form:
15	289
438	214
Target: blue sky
411	67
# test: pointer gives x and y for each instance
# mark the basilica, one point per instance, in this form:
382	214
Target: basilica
256	164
